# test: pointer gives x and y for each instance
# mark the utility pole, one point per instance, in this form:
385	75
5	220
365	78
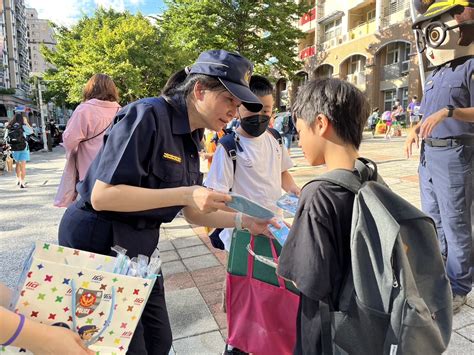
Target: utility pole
43	124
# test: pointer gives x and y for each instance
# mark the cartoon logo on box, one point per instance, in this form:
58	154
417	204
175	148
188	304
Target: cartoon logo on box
87	301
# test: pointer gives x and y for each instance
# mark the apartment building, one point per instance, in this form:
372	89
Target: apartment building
39	33
15	71
366	42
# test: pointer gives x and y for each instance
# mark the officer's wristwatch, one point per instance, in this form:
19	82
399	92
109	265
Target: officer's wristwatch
450	109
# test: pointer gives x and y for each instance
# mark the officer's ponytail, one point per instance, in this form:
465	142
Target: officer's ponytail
180	83
174	82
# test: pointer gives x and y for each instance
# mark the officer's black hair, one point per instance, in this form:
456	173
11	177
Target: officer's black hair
180	83
343	104
260	85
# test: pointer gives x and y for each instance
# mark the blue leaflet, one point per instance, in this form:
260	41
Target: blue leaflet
248	207
280	234
289	203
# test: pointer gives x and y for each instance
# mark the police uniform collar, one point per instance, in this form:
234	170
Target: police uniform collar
180	119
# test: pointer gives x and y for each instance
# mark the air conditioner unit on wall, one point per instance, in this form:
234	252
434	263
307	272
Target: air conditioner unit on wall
405	66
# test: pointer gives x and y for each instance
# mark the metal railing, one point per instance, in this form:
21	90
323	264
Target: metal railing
395	12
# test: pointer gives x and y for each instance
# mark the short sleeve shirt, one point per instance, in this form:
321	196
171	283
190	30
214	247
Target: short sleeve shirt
316	256
257	174
450	84
150	145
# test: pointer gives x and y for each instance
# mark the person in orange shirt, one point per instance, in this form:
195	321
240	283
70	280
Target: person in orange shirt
210	145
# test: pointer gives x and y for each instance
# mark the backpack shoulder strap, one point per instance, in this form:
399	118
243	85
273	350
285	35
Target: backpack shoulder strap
343	178
348	179
231	144
276	135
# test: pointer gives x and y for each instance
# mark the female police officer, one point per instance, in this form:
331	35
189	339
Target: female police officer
148	170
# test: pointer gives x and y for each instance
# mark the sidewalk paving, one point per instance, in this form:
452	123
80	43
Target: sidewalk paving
194	271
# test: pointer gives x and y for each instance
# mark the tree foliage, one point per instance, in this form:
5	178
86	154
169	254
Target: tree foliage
127	47
263	31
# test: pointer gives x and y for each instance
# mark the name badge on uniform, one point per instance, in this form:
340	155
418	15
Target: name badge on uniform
172	157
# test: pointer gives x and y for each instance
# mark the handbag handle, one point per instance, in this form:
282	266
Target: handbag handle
263	259
107	321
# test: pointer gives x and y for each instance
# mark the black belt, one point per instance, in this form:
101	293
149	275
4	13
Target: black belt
137	223
447	142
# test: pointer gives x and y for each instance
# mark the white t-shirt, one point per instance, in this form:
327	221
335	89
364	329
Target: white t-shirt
257	173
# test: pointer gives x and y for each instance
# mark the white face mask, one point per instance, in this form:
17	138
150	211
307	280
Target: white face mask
440	40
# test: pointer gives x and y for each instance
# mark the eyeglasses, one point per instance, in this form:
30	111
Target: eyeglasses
434	34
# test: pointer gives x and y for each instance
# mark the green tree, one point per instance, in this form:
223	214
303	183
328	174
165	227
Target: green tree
127	47
262	31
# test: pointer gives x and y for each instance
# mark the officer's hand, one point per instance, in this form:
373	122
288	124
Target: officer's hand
258	226
431	122
206	200
411	138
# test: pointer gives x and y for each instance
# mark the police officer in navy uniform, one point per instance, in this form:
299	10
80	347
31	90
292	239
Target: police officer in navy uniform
148	170
445	32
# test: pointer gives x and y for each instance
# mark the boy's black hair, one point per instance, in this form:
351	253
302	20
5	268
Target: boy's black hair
342	103
260	85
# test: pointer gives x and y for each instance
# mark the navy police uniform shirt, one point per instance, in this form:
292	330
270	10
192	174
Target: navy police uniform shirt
150	145
450	84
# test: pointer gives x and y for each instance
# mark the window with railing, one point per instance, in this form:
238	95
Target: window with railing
388	99
332	29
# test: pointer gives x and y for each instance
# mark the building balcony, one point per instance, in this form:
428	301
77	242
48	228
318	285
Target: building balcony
354	4
362	30
396	13
333	41
307	22
307	52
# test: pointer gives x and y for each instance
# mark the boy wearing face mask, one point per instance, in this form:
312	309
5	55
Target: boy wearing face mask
262	164
261	169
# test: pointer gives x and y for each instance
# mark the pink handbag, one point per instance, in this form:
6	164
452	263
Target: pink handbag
261	317
67	193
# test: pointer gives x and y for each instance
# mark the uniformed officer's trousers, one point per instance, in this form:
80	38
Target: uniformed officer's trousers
446	186
86	230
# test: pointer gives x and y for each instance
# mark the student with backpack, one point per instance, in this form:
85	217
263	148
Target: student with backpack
252	162
366	262
283	124
17	131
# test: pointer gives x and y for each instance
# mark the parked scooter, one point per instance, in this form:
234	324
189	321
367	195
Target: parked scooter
34	142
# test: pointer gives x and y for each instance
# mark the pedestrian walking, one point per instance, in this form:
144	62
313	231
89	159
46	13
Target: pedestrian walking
413	111
372	120
148	170
16	133
86	127
444	32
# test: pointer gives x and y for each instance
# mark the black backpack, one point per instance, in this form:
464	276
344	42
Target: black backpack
15	138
